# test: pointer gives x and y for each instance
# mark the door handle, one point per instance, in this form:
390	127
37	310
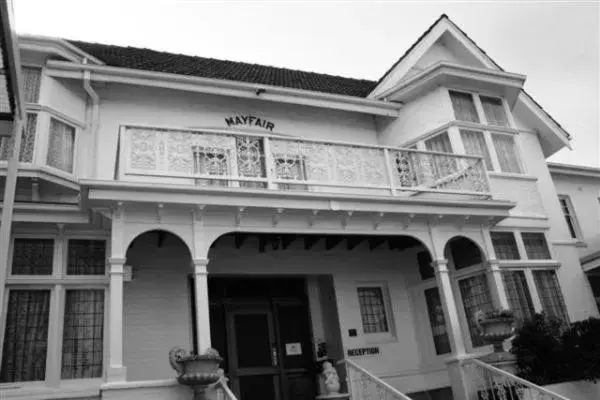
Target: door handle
274	356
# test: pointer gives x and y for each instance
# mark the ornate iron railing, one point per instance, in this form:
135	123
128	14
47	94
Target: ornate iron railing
216	158
485	382
363	385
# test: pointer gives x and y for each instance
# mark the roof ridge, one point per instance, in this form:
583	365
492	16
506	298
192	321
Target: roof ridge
245	63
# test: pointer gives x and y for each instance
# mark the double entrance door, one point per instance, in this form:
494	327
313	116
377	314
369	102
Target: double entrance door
267	347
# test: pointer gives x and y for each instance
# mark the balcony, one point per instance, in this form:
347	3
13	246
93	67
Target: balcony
213	158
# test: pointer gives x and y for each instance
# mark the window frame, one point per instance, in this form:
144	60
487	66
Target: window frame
378	337
58	283
572	215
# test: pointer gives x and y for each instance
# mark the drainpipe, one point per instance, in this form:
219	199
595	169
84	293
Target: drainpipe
93	123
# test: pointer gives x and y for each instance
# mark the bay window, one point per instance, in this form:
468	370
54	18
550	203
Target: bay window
61	145
536	246
553	303
474	144
506	152
464	106
505	245
475	295
494	112
55	285
518	295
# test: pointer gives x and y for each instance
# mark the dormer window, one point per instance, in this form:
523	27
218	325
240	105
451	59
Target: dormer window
464	107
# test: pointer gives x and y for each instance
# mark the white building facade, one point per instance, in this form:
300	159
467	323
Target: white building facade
166	201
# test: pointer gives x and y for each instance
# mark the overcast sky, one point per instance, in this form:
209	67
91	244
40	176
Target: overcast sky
556	44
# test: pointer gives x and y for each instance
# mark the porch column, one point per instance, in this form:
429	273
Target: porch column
494	274
442	277
202	308
116	370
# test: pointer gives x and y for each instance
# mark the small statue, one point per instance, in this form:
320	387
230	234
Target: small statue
330	378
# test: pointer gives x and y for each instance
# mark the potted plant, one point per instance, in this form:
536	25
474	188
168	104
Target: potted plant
199	371
495	327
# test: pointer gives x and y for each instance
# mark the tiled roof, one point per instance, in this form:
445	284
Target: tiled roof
152	60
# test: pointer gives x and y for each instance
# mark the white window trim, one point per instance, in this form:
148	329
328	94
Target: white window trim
380	337
572	215
58	282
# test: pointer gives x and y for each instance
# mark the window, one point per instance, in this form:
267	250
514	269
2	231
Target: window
292	168
211	161
474	144
505	245
439	143
507	153
27	142
61	143
493	109
442	165
518	295
37	308
536	246
26	336
567	209
31	84
86	257
550	294
437	321
475	295
464	107
83	334
373	309
32	256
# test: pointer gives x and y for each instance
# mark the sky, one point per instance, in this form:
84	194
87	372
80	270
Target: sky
555	44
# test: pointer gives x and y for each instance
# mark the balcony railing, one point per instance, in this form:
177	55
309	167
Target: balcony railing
216	158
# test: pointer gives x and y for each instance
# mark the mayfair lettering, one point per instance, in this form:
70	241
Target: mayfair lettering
249	120
363	351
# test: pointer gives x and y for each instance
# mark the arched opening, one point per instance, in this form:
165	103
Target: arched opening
471	285
157	311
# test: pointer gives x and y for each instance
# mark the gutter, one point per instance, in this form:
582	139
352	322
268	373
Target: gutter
63	69
93	125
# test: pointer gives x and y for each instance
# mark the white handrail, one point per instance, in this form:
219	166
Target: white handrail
507	382
379	385
229	395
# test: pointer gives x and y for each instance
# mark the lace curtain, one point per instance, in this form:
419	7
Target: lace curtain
32	256
86	257
474	143
464	107
26	336
60	146
83	334
551	297
494	111
372	309
475	296
31	83
27	142
518	295
507	153
442	165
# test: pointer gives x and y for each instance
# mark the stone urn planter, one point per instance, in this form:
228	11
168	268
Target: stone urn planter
495	327
199	371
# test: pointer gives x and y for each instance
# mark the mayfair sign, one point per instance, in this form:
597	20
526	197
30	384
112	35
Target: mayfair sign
250	121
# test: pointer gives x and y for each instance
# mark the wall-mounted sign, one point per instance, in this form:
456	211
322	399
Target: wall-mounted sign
363	351
293	349
250	121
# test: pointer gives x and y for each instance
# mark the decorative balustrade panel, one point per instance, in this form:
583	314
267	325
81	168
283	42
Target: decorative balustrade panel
488	383
363	385
236	160
27	142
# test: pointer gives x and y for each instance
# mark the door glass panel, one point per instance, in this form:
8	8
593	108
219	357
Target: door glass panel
257	387
252	340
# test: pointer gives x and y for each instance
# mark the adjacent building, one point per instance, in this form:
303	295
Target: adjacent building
278	216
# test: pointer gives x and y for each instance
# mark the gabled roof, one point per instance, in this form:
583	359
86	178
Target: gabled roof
157	61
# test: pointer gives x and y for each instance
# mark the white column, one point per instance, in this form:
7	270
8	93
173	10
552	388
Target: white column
116	370
493	273
202	308
442	277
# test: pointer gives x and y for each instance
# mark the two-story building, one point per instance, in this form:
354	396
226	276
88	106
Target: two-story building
168	200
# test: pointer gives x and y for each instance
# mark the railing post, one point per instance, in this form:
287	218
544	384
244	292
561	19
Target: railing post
390	171
269	163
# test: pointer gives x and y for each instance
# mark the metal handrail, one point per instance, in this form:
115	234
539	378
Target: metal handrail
514	380
380	384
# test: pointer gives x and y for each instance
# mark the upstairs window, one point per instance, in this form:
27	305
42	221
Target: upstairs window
569	213
61	146
31	84
439	143
474	144
507	153
493	109
536	246
464	107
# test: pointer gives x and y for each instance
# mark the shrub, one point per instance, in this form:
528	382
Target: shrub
581	350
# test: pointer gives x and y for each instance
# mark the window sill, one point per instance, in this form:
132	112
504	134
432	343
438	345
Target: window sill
528	263
512	175
32	391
